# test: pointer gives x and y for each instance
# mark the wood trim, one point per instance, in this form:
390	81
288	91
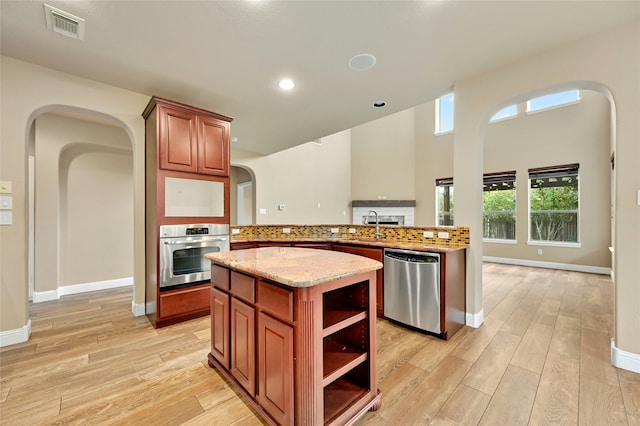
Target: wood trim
155	100
383	203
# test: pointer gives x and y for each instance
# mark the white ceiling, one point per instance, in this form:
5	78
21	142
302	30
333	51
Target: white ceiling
227	56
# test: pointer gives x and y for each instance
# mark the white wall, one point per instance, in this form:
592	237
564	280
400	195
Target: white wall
84	203
302	178
577	133
609	63
27	92
382	158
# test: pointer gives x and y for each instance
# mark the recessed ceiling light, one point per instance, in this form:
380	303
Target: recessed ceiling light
380	104
362	62
286	84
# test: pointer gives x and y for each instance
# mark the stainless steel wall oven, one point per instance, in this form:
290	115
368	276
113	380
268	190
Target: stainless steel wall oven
182	250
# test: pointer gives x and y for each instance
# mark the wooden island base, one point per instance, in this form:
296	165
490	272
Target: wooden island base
372	405
294	331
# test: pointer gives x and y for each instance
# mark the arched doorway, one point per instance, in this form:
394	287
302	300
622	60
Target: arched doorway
82	203
242	196
556	133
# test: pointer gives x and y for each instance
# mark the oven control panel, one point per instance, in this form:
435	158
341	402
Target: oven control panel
197	231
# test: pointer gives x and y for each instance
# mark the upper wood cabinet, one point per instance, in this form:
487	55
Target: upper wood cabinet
190	139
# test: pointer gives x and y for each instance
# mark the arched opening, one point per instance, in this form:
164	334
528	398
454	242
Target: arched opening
573	133
243	196
81	226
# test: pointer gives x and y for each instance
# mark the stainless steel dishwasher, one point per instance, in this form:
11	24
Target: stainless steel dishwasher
412	288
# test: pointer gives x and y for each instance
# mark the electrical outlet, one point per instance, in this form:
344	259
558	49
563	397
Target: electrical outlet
539	252
286	230
263	210
352	230
281	207
235	231
443	234
427	234
335	230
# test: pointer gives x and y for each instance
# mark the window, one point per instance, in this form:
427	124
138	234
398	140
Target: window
553	100
499	206
553	204
444	114
444	192
508	112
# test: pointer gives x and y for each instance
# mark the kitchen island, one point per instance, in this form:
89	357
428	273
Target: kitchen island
293	330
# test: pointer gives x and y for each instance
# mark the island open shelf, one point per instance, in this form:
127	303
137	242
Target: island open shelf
293	329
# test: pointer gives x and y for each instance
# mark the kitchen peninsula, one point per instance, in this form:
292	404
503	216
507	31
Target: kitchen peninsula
293	329
449	242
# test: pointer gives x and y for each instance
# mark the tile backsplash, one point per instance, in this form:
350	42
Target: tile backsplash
446	236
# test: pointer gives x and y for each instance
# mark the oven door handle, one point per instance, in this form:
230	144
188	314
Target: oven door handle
172	243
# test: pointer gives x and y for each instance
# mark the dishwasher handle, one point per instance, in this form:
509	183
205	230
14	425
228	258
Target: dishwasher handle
413	257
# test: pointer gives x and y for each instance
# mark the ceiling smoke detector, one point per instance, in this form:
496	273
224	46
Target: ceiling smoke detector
64	23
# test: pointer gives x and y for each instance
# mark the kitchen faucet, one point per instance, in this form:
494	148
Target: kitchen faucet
378	234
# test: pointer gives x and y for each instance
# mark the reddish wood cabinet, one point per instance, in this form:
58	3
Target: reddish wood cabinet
371	253
192	140
181	142
315	361
220	326
243	338
275	364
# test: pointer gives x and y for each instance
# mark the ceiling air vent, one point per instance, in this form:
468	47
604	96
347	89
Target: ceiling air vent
64	23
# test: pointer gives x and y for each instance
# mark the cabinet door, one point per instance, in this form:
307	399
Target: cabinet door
243	346
213	146
275	369
178	147
220	326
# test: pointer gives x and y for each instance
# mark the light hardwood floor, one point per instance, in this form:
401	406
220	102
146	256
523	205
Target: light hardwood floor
542	356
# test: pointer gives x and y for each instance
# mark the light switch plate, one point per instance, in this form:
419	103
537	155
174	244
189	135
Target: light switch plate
443	234
235	231
5	187
427	234
6	202
352	230
335	230
263	211
6	217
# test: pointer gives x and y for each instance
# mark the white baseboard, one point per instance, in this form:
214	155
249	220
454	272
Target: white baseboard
12	337
475	320
137	309
46	296
549	265
625	360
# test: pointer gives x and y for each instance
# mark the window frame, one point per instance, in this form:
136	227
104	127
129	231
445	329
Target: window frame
441	183
541	171
509	117
501	177
438	113
528	109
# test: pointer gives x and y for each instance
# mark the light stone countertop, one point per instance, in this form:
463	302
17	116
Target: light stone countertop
371	242
294	266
